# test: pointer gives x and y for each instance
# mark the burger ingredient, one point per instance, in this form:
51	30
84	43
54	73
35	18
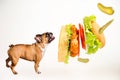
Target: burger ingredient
95	30
63	45
101	30
78	31
69	34
74	42
84	60
82	36
92	42
105	9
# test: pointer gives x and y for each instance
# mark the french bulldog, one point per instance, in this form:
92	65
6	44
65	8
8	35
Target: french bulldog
30	52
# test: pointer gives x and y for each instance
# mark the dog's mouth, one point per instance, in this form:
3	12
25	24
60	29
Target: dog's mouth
51	38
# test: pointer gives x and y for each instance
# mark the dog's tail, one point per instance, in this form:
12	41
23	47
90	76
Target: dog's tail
11	45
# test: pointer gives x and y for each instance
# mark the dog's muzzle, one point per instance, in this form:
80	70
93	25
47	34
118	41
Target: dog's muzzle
51	39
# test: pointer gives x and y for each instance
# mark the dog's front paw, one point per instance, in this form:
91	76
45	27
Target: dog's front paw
39	72
15	73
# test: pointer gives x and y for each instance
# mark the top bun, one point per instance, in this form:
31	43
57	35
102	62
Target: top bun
95	30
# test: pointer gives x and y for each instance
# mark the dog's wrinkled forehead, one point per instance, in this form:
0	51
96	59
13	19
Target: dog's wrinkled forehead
49	34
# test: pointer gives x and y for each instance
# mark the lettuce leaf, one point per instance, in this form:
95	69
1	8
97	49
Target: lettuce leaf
93	44
68	29
69	34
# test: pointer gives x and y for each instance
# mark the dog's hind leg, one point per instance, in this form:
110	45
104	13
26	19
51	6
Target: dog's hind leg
7	61
14	62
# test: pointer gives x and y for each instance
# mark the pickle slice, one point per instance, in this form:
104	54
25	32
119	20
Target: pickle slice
105	9
101	30
84	60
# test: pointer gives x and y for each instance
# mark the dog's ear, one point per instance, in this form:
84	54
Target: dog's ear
38	38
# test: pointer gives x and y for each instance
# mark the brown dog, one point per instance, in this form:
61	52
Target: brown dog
31	52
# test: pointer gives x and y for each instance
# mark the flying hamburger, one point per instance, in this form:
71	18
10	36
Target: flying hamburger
90	36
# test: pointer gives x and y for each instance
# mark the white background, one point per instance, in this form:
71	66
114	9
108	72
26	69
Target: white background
21	20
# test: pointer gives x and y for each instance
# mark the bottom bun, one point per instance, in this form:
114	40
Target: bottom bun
63	45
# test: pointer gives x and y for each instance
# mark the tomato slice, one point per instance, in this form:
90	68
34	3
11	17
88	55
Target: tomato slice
78	42
82	36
